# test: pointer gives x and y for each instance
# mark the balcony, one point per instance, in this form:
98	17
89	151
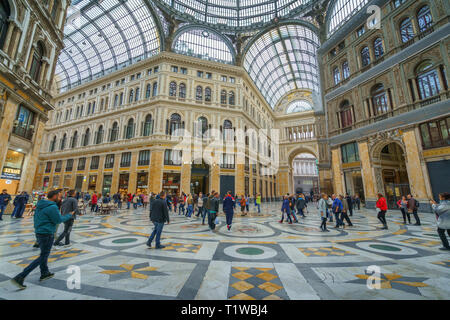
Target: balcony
24	132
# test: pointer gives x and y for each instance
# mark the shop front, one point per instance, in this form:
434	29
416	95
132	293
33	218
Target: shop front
142	182
79	182
354	183
171	183
12	171
123	182
107	181
92	183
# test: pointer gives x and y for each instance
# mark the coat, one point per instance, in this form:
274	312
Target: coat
69	205
300	203
159	212
228	205
442	210
381	204
47	216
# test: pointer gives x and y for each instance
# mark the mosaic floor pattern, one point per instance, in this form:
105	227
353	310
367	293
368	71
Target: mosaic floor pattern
258	259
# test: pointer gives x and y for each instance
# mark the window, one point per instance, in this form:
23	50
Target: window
54	10
172	157
365	56
223	97
24	123
345	70
69	165
99	135
155	69
155	89
200	74
148	126
48	167
109	161
435	133
424	18
95	160
173	89
37	60
116	100
333	53
228	133
114	134
174	124
129	129
125	161
148	91
232	80
201	127
350	152
224	78
63	142
86	137
231	98
199	93
130	99
208	75
121	99
360	31
336	75
74	141
81	163
183	70
174	69
378	48
136	97
207	94
427	80
379	100
406	30
182	91
398	3
345	114
58	166
149	72
227	161
144	158
5	12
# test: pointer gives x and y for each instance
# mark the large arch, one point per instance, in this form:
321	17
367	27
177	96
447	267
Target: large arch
284	56
105	36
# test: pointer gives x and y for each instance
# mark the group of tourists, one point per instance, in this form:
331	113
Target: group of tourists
20	201
131	199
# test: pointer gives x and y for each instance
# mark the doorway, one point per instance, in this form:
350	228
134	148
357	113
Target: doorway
199	178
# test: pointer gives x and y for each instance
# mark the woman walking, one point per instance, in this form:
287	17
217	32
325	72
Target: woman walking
381	206
243	202
403	206
228	209
322	206
285	209
190	208
442	211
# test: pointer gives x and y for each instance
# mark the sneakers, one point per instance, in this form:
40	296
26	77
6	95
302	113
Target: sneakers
228	227
281	221
46	276
36	245
290	222
18	282
444	249
160	247
67	245
149	245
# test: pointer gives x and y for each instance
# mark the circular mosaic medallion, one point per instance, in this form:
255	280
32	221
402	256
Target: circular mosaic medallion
247	229
85	227
386	248
250	252
123	241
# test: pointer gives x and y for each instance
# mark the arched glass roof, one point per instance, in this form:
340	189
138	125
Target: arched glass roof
283	59
342	11
235	14
104	36
299	106
204	44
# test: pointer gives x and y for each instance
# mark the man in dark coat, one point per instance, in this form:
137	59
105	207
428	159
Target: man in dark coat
350	203
68	206
228	208
159	214
5	198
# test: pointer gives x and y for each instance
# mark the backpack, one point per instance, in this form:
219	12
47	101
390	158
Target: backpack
417	203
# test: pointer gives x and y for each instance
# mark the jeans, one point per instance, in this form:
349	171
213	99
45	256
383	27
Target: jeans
18	211
416	216
128	204
382	218
293	215
330	215
94	207
189	210
259	207
204	214
444	240
66	233
157	230
135	205
300	211
288	216
200	209
323	226
2	209
45	244
181	209
344	215
339	222
229	217
212	219
405	214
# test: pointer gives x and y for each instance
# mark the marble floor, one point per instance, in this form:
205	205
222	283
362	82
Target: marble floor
258	259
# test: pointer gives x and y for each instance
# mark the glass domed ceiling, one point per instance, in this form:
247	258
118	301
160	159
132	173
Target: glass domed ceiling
235	14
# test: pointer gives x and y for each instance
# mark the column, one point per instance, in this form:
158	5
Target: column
116	174
101	166
338	186
6	124
367	171
156	170
133	172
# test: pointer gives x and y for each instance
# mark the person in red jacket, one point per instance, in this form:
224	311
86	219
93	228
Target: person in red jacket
381	209
94	206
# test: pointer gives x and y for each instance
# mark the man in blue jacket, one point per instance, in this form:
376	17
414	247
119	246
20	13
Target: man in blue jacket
46	218
5	198
19	202
228	208
337	209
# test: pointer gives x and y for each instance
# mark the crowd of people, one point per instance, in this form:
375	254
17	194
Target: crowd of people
62	208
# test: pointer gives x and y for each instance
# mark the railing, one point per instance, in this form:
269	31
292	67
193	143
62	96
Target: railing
24	132
143	162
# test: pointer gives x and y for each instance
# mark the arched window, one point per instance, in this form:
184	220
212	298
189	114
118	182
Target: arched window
199	93
182	91
173	89
129	129
227	130
116	100
5	12
336	75
155	89
136	98
427	80
54	10
379	99
345	70
63	142
345	113
378	48
365	56
406	30
424	18
93	107
74	141
99	135
231	98
148	91
208	94
86	137
36	64
223	97
174	124
52	144
148	126
202	127
130	98
114	134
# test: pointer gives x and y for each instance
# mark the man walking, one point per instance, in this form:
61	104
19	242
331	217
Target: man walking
350	204
301	205
159	214
20	202
337	209
345	210
413	206
5	198
213	209
228	209
258	202
46	218
68	206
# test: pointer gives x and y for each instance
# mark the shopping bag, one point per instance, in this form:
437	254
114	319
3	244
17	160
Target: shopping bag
216	221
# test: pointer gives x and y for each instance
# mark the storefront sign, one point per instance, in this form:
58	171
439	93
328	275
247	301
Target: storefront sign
11	173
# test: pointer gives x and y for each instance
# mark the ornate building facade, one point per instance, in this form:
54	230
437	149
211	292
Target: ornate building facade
31	39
